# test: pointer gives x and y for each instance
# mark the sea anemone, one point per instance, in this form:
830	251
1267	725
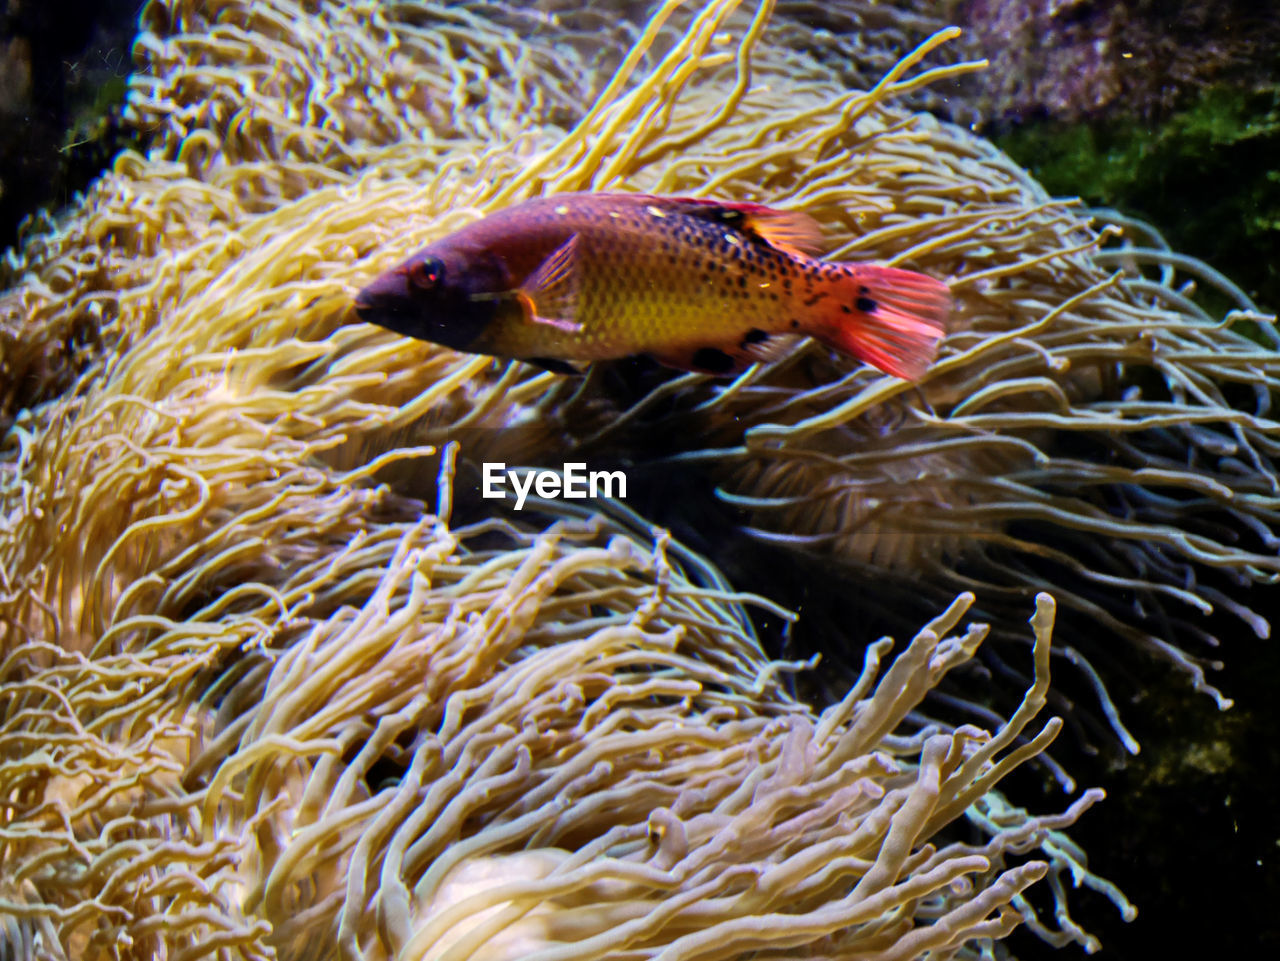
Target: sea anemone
1090	428
489	741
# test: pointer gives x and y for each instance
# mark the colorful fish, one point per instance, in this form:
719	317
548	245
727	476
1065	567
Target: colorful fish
696	284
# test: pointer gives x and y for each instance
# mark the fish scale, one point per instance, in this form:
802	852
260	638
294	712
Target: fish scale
689	288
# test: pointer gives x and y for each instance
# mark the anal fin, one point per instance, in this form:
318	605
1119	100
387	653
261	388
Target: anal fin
726	359
555	365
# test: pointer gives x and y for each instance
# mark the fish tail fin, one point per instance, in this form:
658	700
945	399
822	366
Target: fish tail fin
890	318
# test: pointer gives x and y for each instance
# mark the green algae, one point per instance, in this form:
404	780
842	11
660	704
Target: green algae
1206	175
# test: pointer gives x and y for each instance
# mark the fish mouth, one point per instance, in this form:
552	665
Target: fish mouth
442	317
386	302
389	291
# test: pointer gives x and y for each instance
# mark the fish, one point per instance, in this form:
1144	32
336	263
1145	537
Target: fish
697	284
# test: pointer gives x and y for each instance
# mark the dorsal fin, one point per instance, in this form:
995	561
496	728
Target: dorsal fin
790	231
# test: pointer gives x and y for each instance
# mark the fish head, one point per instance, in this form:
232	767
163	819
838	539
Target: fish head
439	294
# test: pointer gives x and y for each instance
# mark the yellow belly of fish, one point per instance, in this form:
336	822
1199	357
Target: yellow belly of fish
634	297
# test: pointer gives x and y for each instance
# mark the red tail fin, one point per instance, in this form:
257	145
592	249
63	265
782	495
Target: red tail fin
890	318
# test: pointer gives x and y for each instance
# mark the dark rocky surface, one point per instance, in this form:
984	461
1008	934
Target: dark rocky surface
1073	59
63	69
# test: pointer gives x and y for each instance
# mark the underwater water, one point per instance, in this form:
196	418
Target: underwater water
841	521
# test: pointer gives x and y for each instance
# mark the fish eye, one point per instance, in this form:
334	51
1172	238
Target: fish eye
427	273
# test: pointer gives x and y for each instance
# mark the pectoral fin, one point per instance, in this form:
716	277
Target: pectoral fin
550	294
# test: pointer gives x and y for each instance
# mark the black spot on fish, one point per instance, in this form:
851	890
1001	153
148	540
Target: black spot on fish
864	290
713	360
844	308
754	336
742	281
866	305
712	214
795	325
553	365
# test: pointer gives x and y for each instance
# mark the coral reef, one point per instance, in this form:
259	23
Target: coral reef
557	742
286	709
1090	429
